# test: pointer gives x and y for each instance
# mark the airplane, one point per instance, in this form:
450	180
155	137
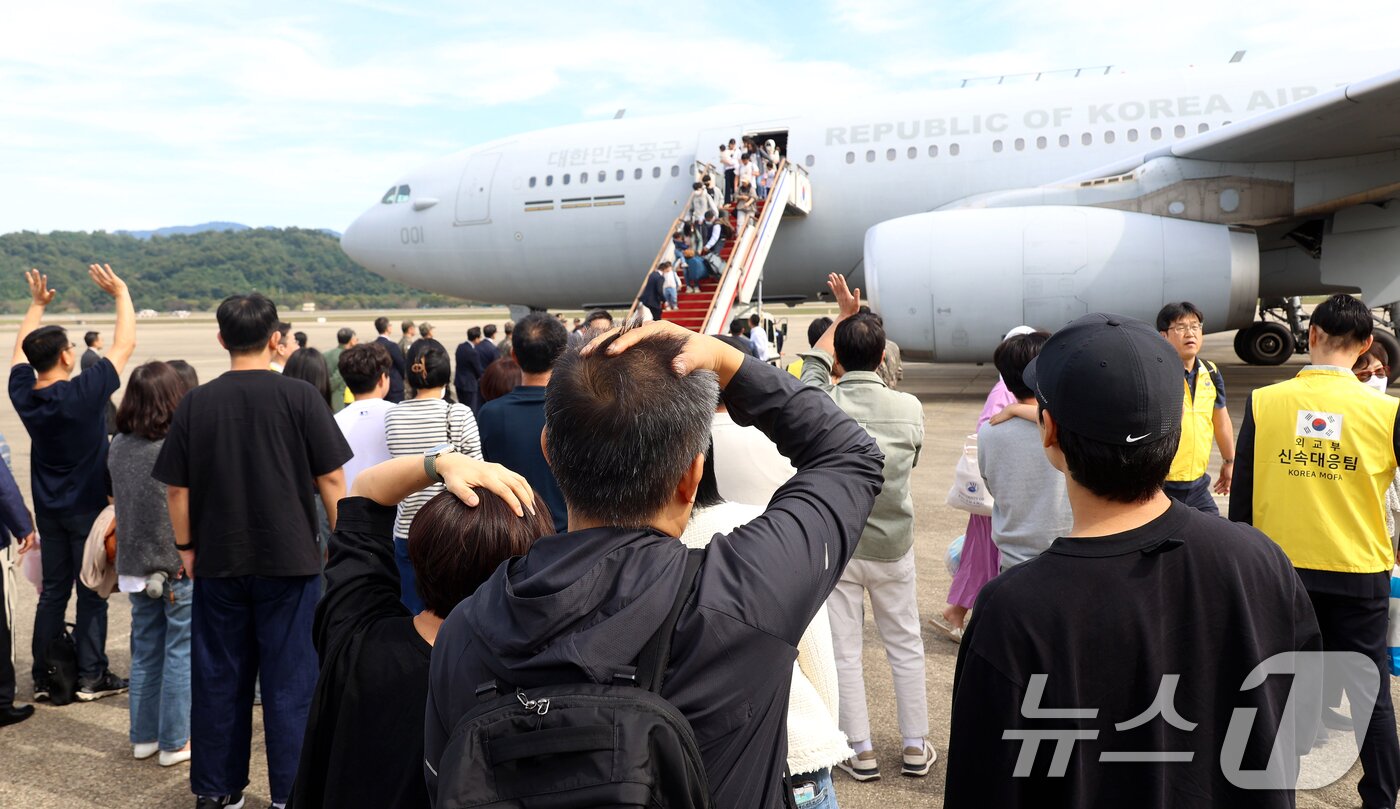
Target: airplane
963	212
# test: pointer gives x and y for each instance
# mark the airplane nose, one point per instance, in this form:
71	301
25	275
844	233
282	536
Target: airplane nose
355	241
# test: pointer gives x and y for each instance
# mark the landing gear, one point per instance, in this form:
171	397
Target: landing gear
1272	342
1265	343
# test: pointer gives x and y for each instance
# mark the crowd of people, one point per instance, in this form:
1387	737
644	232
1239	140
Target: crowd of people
453	578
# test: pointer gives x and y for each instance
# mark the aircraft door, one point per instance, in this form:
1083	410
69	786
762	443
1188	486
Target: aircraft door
474	189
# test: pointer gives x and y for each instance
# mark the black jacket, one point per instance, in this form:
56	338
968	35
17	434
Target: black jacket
651	291
397	371
579	606
468	374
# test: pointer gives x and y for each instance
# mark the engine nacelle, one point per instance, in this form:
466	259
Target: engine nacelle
950	284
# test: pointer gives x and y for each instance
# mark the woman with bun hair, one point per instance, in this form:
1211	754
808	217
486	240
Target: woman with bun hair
412	427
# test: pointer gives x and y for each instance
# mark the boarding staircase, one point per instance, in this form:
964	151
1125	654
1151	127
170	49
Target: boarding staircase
709	310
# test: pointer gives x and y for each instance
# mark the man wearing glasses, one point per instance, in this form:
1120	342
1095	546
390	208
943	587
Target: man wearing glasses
1203	413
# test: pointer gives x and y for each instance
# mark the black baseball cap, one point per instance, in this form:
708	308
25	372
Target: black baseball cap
1110	378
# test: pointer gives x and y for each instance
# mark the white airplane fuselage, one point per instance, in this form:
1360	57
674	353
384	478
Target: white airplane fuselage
575	215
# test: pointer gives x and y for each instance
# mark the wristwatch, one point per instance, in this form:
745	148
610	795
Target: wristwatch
430	461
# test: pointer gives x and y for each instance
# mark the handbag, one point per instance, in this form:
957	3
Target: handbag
969	492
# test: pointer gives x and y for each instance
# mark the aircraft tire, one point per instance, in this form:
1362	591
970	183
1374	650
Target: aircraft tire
1240	348
1392	347
1267	343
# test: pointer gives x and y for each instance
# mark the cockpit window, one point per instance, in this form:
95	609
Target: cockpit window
403	194
389	195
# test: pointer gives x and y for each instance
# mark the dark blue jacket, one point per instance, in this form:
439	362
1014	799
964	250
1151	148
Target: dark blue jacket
467	376
14	516
397	371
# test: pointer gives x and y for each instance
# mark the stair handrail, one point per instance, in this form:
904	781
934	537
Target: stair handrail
660	254
735	260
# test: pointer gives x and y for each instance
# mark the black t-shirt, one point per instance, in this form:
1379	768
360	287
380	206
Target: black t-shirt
1106	619
364	733
249	446
67	425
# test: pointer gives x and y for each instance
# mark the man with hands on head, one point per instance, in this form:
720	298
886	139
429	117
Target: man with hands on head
67	425
627	421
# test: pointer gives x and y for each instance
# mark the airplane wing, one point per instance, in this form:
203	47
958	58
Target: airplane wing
1358	118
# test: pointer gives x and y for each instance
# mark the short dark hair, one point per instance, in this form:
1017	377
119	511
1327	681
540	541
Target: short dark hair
344	336
754	319
381	324
1173	312
1013	355
153	392
284	329
301	339
187	373
309	366
860	342
406	325
1345	320
816	329
488	331
361	366
454	548
598	314
499	378
696	186
1126	473
474	333
89	338
509	326
429	365
43	346
736	327
707	493
538	341
246	322
621	430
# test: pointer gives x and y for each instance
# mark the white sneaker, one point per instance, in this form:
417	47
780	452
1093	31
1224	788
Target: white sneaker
145	750
917	762
169	758
862	766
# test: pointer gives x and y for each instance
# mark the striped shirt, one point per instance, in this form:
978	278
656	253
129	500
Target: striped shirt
415	426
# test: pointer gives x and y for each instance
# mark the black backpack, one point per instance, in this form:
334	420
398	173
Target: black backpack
580	745
62	674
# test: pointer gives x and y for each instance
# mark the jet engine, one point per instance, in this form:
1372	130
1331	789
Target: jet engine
949	284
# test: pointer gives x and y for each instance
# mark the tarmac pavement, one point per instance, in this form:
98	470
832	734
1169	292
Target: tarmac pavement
79	755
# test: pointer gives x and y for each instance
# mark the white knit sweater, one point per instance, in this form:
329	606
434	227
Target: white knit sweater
815	741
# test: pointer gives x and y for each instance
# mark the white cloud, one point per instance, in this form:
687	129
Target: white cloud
152	112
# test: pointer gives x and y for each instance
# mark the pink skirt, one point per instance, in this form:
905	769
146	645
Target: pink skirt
981	561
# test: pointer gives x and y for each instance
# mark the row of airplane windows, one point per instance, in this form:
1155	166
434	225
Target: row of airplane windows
1020	144
954	149
603	176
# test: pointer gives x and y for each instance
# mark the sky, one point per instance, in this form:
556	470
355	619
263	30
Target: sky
136	114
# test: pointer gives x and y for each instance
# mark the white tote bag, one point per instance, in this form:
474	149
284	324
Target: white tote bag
969	492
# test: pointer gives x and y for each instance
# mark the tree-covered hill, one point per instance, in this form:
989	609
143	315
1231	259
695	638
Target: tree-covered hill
196	271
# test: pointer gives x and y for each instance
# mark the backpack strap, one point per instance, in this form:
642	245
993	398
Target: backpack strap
651	663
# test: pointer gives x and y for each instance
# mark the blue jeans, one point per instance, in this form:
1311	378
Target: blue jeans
670	295
243	628
160	666
62	541
408	582
818	786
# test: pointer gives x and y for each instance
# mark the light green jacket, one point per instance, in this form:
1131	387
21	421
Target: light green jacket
896	421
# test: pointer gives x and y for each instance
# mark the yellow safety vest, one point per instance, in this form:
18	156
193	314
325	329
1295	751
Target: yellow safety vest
1197	426
1324	455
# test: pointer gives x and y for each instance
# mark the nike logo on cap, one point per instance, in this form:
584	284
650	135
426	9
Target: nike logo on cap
1135	439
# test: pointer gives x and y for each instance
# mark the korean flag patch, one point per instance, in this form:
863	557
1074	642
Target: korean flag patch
1314	424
